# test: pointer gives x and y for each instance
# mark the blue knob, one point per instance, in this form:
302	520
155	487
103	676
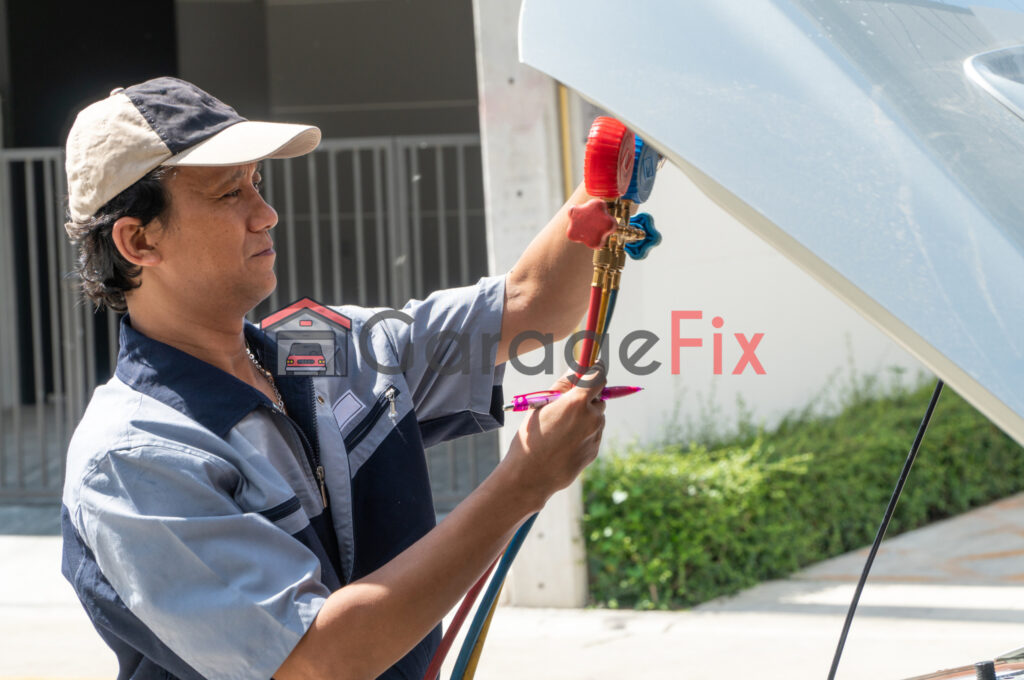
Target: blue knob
645	166
638	249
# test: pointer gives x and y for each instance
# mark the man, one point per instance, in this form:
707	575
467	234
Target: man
221	522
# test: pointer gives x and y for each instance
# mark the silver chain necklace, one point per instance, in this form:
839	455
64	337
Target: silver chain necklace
278	400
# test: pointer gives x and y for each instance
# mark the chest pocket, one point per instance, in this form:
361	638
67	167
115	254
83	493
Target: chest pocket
386	403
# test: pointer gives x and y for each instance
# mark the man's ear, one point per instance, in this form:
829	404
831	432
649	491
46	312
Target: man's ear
137	242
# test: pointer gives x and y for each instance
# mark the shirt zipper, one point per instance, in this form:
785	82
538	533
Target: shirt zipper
320	477
312	451
387	400
312	456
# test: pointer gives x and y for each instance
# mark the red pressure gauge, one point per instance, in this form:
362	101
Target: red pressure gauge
608	162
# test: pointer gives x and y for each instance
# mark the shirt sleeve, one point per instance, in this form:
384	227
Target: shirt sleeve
227	591
449	347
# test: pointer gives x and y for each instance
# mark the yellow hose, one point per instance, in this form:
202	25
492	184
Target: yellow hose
474	658
602	315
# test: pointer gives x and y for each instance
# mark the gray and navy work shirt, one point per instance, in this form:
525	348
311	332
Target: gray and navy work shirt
195	531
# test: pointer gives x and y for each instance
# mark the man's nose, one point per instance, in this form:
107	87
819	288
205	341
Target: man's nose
263	215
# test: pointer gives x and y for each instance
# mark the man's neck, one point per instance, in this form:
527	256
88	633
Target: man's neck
217	339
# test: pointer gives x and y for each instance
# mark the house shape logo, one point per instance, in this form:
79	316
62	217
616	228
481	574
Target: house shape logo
311	339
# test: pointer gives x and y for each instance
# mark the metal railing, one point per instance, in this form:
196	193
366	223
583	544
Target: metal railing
371	221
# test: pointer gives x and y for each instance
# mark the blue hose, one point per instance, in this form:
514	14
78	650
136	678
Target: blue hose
612	295
488	601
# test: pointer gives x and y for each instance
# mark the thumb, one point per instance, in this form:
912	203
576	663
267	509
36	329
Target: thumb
566	382
593	381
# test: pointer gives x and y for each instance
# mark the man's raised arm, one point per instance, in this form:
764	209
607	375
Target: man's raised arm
548	288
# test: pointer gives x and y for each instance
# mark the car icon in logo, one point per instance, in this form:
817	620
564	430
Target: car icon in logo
306	358
311	339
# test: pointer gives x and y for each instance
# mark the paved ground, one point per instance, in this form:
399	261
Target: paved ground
946	595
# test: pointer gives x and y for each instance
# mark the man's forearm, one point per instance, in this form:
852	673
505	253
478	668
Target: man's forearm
366	626
548	288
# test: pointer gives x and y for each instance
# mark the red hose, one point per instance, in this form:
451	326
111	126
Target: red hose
434	669
591	330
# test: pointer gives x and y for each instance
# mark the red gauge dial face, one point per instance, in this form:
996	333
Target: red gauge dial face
608	162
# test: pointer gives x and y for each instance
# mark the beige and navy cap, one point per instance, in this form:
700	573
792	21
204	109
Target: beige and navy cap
164	121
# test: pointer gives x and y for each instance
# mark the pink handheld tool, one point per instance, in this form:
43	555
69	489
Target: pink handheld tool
532	400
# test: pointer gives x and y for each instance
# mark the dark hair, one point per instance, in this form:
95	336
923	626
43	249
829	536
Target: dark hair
105	274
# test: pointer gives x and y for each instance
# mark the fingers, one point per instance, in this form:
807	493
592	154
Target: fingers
564	437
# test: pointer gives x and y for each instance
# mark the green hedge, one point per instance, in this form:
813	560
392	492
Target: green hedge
679	525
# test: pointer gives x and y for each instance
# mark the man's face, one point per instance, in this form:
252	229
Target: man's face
216	248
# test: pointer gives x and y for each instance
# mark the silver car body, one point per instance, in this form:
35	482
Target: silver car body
879	145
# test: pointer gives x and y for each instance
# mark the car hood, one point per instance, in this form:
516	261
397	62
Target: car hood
858	138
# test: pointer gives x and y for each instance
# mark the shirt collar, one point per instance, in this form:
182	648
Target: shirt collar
213	398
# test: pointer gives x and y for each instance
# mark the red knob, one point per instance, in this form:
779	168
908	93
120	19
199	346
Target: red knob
590	223
608	162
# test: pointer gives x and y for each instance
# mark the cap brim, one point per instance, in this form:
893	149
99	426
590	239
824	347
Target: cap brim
250	141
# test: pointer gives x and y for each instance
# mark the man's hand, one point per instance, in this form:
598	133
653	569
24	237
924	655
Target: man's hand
556	442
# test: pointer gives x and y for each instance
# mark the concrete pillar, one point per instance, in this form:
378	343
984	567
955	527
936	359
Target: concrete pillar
523	189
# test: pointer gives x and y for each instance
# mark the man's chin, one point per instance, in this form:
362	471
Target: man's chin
268	292
264	291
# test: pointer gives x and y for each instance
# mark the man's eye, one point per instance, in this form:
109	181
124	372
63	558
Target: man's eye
257	184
